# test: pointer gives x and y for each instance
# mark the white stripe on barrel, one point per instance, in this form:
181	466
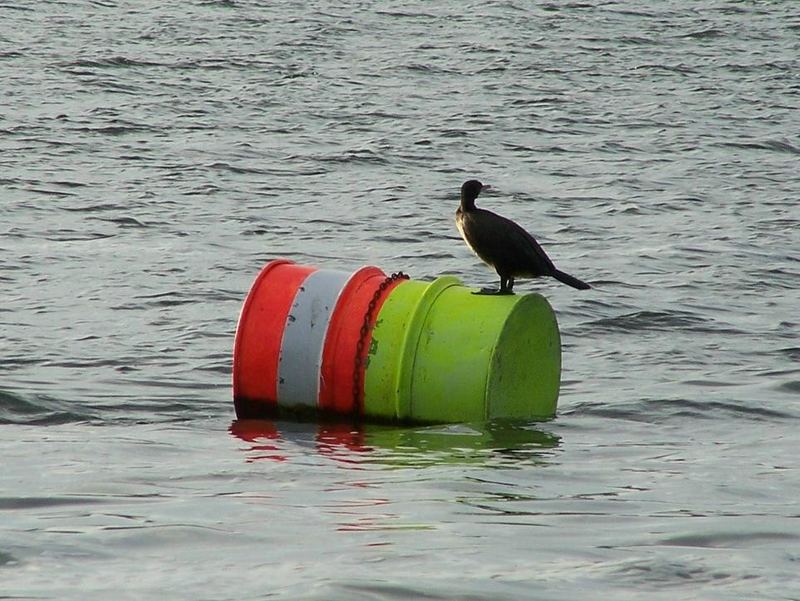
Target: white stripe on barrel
304	337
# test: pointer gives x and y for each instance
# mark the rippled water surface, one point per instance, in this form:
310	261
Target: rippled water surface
153	156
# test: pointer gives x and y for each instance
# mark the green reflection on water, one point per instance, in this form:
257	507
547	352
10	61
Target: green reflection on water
500	443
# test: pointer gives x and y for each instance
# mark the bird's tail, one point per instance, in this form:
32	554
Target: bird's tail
569	280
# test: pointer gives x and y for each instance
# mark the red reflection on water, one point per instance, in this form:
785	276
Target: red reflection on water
340	440
259	432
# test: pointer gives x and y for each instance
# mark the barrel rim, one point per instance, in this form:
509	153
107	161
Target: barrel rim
405	372
519	305
238	340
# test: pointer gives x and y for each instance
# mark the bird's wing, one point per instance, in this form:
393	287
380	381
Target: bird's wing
534	253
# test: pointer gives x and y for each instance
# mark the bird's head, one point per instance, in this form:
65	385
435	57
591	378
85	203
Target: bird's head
469	192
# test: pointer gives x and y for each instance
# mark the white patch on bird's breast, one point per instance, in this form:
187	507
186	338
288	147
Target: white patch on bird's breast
460	226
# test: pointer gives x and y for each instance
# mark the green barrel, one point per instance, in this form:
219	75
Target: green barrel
440	353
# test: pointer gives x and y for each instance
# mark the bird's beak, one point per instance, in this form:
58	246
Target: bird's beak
486	187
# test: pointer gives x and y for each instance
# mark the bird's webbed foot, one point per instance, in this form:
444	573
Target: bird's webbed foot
506	288
488	292
494	292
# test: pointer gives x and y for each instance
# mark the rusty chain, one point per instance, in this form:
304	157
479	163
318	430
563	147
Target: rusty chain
364	332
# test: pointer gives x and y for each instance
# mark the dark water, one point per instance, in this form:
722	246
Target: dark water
154	155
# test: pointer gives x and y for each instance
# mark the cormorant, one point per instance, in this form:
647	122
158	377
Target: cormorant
502	244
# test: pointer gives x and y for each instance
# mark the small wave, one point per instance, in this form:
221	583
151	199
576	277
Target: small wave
23	503
220	64
12	363
75	236
629	12
40	410
349	156
114	62
118	127
162	299
428	68
17	6
406	14
658	573
731	10
728	540
548	150
424	256
453	133
774	145
59	193
555	7
635	40
792	387
758	68
398	239
541	101
234	169
656	411
679	68
69	184
702	34
93	208
791	352
125	221
657	321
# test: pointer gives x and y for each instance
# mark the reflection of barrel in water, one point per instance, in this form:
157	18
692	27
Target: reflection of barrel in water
391	349
499	443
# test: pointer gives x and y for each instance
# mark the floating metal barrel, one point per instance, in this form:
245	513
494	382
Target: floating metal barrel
381	347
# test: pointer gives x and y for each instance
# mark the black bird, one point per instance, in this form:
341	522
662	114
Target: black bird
502	244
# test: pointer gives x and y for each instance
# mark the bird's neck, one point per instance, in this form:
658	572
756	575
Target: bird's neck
467	204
